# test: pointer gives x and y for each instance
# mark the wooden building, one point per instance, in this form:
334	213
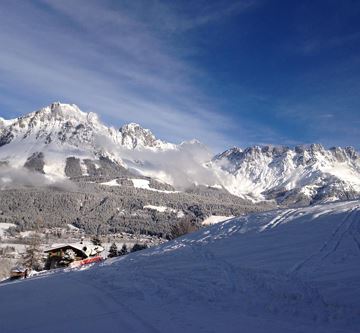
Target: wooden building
72	255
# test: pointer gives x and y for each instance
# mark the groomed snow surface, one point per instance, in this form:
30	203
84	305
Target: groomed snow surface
295	270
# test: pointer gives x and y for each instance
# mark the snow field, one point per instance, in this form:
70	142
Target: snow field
280	271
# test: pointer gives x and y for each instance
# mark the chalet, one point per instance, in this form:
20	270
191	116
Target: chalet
72	255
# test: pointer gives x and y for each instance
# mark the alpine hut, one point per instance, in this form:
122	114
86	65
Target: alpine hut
72	255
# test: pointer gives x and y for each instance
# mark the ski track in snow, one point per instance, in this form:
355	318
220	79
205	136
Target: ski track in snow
331	245
281	271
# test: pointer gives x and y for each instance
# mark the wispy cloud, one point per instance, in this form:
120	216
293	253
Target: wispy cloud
177	19
312	45
146	61
106	59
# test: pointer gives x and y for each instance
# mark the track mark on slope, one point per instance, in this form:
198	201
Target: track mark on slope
344	229
331	245
356	231
338	235
272	292
132	320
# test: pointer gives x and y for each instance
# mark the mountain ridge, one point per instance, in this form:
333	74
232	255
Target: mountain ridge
46	139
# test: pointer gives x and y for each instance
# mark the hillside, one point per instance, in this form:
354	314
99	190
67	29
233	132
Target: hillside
108	208
293	270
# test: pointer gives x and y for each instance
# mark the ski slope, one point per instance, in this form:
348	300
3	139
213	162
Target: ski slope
295	270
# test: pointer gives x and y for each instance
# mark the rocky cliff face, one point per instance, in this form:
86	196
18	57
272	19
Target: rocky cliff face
303	174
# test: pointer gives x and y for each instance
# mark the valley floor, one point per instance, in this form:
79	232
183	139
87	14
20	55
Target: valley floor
295	270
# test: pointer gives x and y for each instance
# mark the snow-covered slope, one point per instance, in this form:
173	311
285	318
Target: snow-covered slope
302	175
295	270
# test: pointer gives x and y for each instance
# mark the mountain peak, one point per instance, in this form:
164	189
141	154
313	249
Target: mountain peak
58	105
60	111
135	136
56	132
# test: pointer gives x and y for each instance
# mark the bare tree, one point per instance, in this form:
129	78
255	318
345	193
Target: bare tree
33	256
5	267
182	228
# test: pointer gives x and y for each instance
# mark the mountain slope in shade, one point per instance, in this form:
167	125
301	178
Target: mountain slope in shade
303	175
293	270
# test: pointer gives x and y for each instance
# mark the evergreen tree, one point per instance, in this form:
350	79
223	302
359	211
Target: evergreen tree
124	250
113	251
33	255
138	247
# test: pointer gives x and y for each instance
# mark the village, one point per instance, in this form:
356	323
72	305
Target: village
28	253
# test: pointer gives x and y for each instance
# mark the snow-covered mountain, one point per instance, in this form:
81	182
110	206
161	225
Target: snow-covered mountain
133	136
303	174
66	124
47	137
293	270
61	141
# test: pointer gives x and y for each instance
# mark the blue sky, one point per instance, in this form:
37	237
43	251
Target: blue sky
229	73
